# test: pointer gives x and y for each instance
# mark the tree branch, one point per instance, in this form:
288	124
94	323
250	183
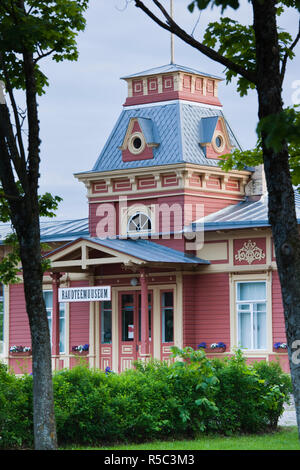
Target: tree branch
15	110
171	26
43	54
6	172
286	56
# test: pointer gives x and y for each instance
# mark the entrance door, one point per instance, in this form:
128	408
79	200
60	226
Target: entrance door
130	327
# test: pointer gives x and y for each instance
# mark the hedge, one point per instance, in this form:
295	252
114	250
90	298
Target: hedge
155	400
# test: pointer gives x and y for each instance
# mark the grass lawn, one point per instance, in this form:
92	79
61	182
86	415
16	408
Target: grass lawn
286	438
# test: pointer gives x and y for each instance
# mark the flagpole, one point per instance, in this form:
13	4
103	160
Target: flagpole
172	35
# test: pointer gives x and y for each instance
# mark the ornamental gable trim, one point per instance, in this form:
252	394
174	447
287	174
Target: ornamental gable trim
140	138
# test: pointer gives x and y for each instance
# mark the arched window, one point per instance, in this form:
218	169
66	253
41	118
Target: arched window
139	222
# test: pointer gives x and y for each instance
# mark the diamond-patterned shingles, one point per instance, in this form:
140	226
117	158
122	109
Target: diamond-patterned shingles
177	125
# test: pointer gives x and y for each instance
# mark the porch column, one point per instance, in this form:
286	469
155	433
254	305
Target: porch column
144	314
55	317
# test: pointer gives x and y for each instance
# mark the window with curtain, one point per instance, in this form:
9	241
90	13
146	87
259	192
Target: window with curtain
252	315
48	298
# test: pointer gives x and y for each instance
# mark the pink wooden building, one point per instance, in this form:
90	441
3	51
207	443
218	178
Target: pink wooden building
174	251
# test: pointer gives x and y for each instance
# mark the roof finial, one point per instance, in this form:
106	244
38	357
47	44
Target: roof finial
172	35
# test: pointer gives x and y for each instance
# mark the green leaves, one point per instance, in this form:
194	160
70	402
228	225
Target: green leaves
278	129
234	4
43	28
10	263
235	42
203	4
48	204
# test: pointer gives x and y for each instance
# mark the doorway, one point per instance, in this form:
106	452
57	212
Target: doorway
130	327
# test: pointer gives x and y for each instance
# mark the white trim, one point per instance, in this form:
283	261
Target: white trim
234	279
163	103
130	144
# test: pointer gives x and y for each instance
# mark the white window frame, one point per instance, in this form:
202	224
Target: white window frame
139	213
127	212
252	303
50	321
102	311
255	277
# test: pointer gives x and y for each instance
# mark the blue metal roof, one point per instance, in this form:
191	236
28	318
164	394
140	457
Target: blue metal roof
177	124
207	128
170	68
149	130
246	214
148	251
142	249
55	230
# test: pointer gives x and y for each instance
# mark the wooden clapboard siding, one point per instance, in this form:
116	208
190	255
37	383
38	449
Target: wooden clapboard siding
79	319
278	325
206	309
19	331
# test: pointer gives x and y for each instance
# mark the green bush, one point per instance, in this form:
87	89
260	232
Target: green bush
278	389
249	398
155	400
16	428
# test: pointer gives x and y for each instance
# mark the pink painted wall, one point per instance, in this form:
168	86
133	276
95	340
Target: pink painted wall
206	309
19	332
79	320
277	308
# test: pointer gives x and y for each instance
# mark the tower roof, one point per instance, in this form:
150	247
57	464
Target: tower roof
178	127
168	68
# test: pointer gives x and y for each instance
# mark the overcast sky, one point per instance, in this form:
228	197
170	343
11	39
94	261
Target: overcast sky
85	98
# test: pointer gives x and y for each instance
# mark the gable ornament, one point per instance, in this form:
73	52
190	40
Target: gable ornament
250	252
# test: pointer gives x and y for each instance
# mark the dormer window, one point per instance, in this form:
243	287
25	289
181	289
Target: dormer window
136	143
214	137
140	139
218	142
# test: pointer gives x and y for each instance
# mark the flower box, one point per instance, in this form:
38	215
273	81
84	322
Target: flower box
81	350
216	350
80	353
213	348
20	353
280	347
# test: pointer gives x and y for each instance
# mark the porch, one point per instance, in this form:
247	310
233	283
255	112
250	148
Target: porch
143	316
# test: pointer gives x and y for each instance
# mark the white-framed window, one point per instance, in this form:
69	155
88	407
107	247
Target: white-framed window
48	298
139	222
106	322
251	304
1	319
167	317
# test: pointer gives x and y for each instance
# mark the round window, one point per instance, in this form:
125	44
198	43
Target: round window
218	141
136	143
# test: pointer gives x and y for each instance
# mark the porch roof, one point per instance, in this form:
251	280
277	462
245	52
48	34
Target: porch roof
127	251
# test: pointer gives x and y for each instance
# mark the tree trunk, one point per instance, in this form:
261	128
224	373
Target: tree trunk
28	231
282	215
